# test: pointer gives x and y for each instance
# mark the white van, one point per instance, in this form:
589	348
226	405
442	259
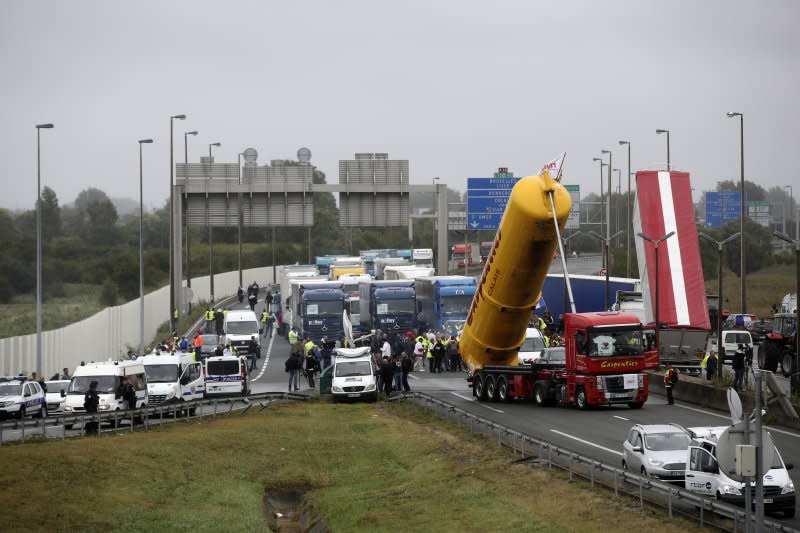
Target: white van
353	374
173	377
240	326
226	374
108	375
731	339
531	349
704	476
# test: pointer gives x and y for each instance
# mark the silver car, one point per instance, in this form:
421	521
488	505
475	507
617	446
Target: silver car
658	451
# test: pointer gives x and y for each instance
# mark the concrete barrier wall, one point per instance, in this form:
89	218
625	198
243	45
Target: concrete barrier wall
109	333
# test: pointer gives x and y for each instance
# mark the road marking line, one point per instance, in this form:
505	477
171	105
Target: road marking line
770	428
266	358
480	403
412	376
622	418
609	450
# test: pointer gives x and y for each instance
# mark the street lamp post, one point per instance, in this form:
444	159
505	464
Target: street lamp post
719	244
608	212
628	215
241	222
606	241
141	250
795	380
602	204
211	233
659	132
39	128
656	242
619	193
742	213
793	211
433	221
172	308
185	219
566	239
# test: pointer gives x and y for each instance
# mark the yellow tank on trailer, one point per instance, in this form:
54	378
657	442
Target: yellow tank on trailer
514	273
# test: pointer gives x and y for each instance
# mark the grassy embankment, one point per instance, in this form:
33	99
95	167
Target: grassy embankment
764	288
367	467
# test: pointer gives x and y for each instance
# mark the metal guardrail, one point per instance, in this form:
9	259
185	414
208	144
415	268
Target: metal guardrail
144	419
708	511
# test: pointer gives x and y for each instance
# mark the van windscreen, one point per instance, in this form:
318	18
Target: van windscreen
105	384
352	368
222	368
161	373
242	328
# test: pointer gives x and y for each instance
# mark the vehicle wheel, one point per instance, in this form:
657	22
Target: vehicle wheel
491	389
580	399
478	388
786	364
502	390
635	405
789	513
539	397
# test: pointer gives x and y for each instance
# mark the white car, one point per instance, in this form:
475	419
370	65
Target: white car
532	348
19	398
353	375
56	395
657	450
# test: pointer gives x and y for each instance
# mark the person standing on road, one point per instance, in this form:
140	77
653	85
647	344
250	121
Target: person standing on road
311	366
91	400
406	365
738	367
711	366
419	353
240	294
65	373
219	321
293	368
397	364
254	352
293	339
209	316
748	364
670	379
438	355
386	348
387	373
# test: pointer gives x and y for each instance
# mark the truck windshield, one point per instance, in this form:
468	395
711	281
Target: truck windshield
396	307
161	373
458	255
485	249
457	305
105	384
422	260
604	343
352	368
324	308
242	328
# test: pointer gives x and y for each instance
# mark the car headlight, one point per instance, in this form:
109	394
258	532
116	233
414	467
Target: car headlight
336	388
105	407
68	408
731	489
788	488
369	388
655	462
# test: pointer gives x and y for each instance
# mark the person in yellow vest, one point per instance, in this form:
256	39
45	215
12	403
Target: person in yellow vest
309	344
704	362
293	340
209	316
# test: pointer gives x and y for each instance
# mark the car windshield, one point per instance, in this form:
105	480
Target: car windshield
396	307
612	342
105	384
161	373
10	389
555	355
56	386
532	344
352	368
662	442
324	308
242	328
456	305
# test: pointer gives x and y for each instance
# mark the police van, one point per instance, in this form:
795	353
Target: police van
108	375
354	375
173	377
20	397
226	374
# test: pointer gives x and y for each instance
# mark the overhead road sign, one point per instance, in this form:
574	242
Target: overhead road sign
574	218
722	207
487	199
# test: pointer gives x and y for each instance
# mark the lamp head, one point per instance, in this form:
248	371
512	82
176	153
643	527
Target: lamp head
624	142
596	159
662	131
191	132
215	144
605	151
733	114
179	117
145	141
44	126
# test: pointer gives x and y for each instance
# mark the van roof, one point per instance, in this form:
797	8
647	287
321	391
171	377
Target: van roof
109	368
166	358
240	315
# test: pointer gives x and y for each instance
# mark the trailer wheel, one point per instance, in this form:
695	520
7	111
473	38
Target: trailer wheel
540	394
502	390
491	389
580	399
478	388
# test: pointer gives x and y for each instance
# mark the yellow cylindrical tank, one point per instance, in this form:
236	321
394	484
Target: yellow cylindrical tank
514	274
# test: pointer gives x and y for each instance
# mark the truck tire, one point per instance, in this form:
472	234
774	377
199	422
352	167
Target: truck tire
491	388
478	388
786	363
502	390
772	355
540	394
580	399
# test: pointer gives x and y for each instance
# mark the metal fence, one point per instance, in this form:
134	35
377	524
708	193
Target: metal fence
707	511
107	334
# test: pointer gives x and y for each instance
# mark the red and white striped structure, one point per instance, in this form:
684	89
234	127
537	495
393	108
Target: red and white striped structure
664	204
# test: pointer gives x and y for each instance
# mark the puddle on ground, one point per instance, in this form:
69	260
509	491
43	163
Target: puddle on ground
286	512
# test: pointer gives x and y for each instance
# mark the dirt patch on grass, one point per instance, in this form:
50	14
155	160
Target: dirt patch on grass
288	510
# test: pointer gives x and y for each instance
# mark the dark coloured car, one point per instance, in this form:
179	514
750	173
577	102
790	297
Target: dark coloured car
759	329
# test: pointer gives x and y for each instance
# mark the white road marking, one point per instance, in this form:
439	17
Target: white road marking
412	376
711	413
573	437
622	418
266	358
473	399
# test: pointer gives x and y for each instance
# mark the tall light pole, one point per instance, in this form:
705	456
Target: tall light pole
608	210
628	215
742	213
433	221
172	310
185	220
659	132
619	193
211	233
141	250
602	204
793	211
39	128
719	244
656	242
795	381
240	219
606	244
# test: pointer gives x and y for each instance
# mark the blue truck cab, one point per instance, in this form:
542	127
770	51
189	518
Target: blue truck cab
387	305
317	311
324	263
443	302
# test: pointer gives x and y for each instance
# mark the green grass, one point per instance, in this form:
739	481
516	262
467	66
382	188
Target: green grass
79	301
364	467
764	288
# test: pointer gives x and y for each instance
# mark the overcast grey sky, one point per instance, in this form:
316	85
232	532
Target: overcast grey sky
457	87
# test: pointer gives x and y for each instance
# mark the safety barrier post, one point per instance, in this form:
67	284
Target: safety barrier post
669	502
702	508
570	467
549	457
616	490
592	474
116	423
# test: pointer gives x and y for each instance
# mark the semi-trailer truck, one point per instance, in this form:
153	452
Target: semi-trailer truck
387	305
382	262
486	248
443	302
317	309
286	274
407	272
460	253
346	266
605	352
422	257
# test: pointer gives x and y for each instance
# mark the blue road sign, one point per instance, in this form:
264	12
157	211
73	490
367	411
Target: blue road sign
722	207
486	201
